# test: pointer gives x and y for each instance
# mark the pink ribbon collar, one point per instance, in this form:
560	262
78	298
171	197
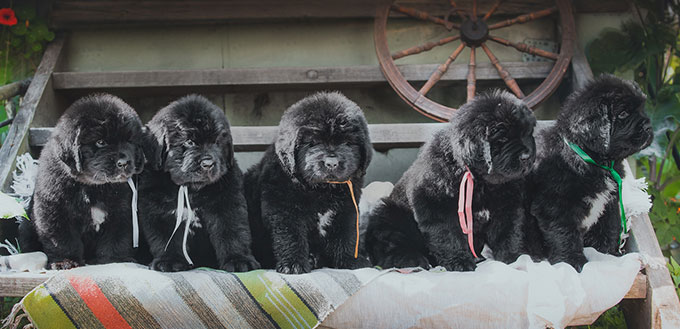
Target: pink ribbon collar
465	207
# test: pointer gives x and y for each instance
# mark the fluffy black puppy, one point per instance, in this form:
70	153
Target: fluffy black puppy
80	210
574	203
418	223
299	220
194	148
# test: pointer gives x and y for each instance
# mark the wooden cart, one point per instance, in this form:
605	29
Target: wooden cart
651	303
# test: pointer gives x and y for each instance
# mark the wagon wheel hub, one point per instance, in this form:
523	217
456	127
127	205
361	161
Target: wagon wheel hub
474	33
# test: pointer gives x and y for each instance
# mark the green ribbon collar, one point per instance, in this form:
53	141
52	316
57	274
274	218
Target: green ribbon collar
583	155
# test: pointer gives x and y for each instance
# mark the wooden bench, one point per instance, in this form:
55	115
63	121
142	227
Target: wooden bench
651	302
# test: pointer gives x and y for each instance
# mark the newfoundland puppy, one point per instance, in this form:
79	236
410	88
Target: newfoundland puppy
576	203
465	189
302	195
193	199
81	208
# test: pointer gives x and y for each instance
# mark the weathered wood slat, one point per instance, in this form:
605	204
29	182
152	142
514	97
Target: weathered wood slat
284	76
383	136
660	308
33	98
70	13
19	284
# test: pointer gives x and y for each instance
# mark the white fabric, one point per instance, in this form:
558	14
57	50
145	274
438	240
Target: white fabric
182	200
135	219
520	295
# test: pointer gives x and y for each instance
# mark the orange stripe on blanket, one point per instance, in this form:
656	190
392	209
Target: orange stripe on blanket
95	299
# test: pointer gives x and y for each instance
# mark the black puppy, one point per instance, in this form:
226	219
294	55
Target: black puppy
575	203
300	220
80	211
489	139
194	173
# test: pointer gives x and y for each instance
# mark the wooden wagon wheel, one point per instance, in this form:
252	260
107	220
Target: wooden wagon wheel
473	32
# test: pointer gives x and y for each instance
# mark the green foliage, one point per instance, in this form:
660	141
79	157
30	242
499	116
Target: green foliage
650	48
21	47
611	319
674	268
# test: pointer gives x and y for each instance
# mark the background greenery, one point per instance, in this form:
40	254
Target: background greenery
21	47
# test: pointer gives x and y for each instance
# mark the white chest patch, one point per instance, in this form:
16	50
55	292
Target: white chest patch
325	220
597	204
98	217
482	215
195	222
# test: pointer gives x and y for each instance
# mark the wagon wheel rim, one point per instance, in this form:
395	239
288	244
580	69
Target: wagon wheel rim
418	99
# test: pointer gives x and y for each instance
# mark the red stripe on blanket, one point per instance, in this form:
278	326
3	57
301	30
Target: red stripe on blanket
95	299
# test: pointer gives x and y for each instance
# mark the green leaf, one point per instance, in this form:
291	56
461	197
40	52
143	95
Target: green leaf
19	29
10	208
36	47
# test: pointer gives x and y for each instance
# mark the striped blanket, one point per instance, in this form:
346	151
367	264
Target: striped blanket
131	296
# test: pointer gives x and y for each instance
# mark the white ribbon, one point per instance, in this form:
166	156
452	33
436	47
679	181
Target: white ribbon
135	219
182	198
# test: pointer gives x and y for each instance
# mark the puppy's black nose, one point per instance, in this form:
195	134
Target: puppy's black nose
525	156
331	163
207	164
122	163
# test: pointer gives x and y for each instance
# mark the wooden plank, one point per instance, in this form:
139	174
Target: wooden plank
20	283
74	13
639	288
660	308
283	76
383	136
33	98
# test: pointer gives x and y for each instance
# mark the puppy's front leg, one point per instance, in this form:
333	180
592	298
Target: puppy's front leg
289	229
561	235
604	235
438	221
230	234
340	241
504	233
115	239
59	236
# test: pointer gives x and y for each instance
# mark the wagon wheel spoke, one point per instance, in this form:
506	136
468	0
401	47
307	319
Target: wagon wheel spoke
439	72
492	10
525	48
523	18
424	47
474	11
454	8
509	81
424	16
471	77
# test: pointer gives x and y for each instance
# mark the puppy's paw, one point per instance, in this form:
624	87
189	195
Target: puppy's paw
240	264
360	262
108	260
169	266
411	259
298	267
65	264
459	265
578	262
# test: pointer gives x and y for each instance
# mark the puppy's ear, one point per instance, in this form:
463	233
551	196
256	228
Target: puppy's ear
285	145
366	148
229	149
70	153
593	126
155	145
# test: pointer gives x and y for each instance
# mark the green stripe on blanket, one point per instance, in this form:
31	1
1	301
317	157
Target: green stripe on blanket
114	294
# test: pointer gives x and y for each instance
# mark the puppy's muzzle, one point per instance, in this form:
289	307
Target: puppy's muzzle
331	163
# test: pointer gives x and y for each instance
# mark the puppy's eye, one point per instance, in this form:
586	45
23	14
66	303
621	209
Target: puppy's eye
622	115
502	140
101	143
189	143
